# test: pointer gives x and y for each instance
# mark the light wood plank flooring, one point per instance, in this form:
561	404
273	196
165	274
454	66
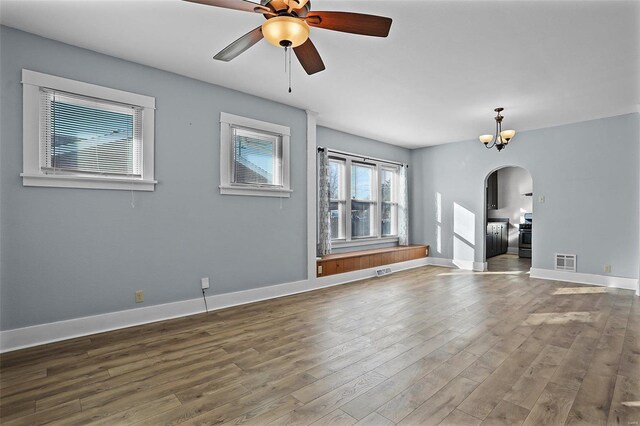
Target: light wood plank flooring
508	262
426	346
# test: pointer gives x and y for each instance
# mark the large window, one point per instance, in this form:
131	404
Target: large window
254	157
363	199
86	136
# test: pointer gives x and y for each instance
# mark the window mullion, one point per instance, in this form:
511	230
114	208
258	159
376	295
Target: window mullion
378	219
347	210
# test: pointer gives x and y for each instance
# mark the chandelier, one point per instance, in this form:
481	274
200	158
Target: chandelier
502	137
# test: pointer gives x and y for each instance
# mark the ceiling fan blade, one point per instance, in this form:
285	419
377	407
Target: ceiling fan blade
244	5
240	45
309	57
347	22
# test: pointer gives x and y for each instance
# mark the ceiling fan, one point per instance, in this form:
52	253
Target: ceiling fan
287	25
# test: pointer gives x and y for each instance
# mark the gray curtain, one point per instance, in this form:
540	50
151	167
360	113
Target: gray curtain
403	207
324	218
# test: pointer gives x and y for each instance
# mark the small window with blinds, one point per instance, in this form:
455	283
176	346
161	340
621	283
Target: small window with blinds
257	158
254	157
88	136
81	135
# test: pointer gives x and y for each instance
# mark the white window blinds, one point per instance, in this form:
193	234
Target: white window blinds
257	158
89	136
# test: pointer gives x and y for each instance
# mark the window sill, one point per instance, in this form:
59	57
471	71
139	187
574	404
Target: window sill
364	242
255	191
87	182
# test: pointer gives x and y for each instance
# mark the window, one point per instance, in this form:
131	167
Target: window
362	200
337	199
254	157
366	208
389	204
86	136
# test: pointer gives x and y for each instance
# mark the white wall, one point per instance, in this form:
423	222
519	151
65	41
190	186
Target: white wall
512	205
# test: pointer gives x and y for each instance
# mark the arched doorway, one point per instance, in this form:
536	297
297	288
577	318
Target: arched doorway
508	219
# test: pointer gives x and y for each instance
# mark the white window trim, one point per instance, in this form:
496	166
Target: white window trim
226	186
32	174
394	197
363	241
378	166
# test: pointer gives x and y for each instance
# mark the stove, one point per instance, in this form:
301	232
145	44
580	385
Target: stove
524	240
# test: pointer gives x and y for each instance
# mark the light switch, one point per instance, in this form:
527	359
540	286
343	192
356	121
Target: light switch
541	199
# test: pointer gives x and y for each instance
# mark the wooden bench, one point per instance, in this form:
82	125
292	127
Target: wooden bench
355	260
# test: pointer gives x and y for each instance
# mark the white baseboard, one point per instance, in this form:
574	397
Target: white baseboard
480	266
582	278
441	261
458	264
26	337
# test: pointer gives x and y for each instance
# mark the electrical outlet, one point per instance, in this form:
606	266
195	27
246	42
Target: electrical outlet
139	296
319	269
204	282
607	268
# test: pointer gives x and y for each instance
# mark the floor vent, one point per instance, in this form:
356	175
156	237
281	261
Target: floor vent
383	272
566	262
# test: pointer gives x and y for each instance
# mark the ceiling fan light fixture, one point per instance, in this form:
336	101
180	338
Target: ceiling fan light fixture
285	31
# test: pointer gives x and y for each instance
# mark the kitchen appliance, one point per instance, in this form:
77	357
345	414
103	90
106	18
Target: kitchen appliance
524	240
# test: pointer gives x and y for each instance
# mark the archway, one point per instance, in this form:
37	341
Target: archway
508	219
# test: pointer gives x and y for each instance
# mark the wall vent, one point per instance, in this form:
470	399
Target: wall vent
383	271
566	262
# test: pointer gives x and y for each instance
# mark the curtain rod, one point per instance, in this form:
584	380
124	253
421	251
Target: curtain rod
364	157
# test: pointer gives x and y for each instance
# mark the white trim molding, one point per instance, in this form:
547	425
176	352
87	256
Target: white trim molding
582	278
26	337
441	261
312	194
227	187
469	265
32	169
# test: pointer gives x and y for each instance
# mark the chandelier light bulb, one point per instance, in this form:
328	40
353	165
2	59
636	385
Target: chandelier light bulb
485	139
507	135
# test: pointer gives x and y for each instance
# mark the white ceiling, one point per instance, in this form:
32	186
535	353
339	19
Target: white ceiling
435	79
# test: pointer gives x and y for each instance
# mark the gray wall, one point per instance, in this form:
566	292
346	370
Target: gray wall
347	142
512	205
70	253
587	172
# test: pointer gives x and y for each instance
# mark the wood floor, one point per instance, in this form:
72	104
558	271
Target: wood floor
508	262
426	346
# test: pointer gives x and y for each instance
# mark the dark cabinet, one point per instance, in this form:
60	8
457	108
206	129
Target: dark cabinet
497	239
492	191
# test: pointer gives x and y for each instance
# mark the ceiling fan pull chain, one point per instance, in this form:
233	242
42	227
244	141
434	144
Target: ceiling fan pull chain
289	70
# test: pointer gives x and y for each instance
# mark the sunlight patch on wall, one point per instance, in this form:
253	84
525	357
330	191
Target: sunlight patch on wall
464	223
464	237
463	253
